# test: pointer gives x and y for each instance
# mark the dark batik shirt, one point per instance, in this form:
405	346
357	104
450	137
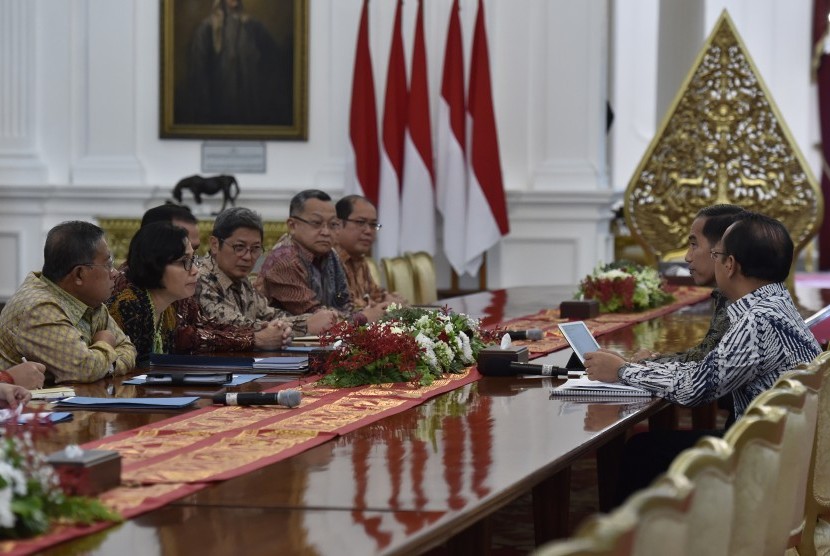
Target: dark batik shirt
766	338
295	279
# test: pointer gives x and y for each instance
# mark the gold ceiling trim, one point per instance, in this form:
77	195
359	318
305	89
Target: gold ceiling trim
723	140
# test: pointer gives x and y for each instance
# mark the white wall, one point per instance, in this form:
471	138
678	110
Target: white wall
81	80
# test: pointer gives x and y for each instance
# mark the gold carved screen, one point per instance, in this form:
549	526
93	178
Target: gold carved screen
120	231
722	141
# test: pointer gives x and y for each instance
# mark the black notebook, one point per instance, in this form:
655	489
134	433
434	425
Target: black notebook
81	402
187	379
193	363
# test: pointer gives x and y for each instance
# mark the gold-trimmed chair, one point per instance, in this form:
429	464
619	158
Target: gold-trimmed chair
423	270
797	394
709	465
815	539
374	271
650	521
399	276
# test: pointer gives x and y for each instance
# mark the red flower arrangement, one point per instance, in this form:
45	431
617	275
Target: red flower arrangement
613	294
376	353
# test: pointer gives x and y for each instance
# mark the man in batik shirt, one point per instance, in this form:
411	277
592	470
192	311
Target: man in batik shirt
224	291
354	243
303	273
58	317
766	338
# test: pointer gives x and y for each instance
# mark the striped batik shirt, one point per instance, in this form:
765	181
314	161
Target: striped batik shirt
766	337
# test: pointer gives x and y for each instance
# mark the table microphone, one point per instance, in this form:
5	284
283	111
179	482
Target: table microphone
287	398
515	368
529	334
541	369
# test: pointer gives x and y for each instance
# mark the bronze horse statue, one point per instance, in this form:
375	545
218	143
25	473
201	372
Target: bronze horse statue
199	186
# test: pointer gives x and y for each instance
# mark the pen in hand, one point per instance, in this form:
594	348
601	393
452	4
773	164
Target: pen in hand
19	411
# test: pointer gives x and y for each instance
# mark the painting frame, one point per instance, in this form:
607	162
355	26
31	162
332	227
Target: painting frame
187	111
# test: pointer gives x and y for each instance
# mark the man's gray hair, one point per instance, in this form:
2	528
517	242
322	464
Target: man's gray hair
229	220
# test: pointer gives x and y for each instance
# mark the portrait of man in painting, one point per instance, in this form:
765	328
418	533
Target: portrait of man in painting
234	69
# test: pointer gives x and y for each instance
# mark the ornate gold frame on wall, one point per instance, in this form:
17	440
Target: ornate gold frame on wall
179	18
722	141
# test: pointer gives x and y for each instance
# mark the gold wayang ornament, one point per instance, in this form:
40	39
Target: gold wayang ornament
722	141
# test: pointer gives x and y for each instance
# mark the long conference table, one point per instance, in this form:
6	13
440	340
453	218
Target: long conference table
428	476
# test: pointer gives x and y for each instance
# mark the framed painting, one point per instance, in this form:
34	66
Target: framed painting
234	70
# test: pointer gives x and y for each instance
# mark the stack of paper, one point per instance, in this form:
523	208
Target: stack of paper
306	341
281	364
56	393
584	386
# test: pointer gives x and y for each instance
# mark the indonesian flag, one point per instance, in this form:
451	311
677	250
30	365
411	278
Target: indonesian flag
394	128
362	168
486	206
418	196
451	179
821	72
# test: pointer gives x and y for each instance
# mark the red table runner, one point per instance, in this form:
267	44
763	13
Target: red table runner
170	459
552	340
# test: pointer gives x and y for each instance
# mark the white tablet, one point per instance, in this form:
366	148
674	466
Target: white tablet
580	338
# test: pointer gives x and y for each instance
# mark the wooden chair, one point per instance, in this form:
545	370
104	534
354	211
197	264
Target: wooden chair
423	269
399	276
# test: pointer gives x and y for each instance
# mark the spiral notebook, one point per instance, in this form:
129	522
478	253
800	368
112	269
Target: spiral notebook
584	386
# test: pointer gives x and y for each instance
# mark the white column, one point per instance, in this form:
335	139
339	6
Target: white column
549	67
105	95
19	160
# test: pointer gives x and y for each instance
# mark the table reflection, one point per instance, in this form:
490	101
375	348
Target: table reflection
403	481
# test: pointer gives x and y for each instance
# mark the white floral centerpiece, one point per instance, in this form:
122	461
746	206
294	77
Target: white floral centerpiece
625	286
31	498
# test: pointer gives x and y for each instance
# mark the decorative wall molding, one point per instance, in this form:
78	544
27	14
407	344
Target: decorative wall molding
19	159
106	150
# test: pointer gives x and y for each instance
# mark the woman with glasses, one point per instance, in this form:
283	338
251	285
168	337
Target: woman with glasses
161	270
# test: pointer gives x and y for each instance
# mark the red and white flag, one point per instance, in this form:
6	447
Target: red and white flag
418	195
364	164
451	163
394	128
486	206
821	73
